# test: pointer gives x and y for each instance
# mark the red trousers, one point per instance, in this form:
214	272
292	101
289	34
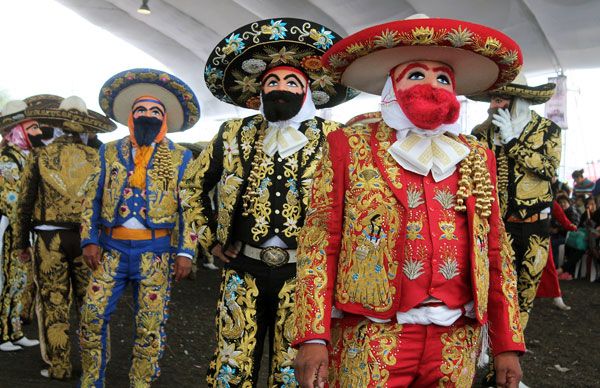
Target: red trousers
368	354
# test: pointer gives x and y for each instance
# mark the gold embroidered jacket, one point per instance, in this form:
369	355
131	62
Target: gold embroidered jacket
159	203
358	180
227	163
525	166
12	161
53	185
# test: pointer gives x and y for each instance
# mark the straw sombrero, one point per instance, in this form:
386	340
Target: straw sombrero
482	58
234	68
519	88
118	94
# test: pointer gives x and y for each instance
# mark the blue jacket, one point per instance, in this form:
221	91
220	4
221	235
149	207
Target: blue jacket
111	201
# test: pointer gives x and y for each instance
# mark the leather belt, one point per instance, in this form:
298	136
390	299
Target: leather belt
272	256
534	218
123	233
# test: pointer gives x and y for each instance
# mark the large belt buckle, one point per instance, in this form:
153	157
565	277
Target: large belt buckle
274	256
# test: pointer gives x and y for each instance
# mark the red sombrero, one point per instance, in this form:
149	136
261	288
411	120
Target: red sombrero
482	58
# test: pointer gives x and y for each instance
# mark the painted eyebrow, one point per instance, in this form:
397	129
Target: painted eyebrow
31	126
293	76
269	76
447	70
410	67
158	109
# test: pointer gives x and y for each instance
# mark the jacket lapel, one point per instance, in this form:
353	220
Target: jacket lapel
382	137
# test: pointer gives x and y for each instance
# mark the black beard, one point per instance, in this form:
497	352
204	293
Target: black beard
281	105
36	140
145	129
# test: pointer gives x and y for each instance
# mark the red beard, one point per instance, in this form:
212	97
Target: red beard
428	107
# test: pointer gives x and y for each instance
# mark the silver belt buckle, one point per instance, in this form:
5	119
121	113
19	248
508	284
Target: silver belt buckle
274	256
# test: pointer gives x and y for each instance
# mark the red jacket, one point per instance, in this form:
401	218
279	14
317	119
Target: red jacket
359	181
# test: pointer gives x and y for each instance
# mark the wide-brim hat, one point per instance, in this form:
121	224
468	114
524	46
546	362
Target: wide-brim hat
68	114
518	88
196	148
47	109
482	58
364	119
235	67
118	94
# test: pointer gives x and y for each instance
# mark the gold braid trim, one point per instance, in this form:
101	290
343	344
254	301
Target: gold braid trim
163	165
503	181
251	195
475	180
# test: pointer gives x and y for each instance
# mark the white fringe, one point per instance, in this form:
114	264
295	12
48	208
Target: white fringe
485	346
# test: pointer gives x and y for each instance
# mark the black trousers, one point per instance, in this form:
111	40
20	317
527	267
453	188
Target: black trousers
530	242
256	303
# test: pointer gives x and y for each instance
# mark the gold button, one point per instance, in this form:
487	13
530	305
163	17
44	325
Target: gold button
278	194
137	195
279	177
134	213
276	230
276	211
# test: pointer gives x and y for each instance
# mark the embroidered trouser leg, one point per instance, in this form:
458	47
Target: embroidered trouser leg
15	279
256	301
29	294
148	266
60	275
531	242
368	354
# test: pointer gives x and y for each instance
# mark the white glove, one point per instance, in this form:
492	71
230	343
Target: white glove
502	121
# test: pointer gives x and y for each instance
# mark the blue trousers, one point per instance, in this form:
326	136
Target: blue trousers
148	266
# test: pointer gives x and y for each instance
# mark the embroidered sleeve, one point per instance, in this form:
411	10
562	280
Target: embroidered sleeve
92	204
200	178
506	333
319	244
9	183
28	189
184	245
540	152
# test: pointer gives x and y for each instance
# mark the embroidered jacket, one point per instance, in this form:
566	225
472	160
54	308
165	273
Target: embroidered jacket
111	202
53	186
526	166
227	163
359	180
12	161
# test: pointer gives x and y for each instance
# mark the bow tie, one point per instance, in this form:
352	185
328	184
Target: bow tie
421	154
286	141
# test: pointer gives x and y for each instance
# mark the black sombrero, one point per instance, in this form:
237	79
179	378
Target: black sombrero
235	66
519	88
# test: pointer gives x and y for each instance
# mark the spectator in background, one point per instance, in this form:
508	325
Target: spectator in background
582	185
560	225
558	187
579	204
590	221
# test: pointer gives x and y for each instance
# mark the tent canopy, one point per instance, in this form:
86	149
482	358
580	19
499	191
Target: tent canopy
555	35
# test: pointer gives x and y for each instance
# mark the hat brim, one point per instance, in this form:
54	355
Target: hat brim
74	120
472	72
364	119
482	58
118	94
533	94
